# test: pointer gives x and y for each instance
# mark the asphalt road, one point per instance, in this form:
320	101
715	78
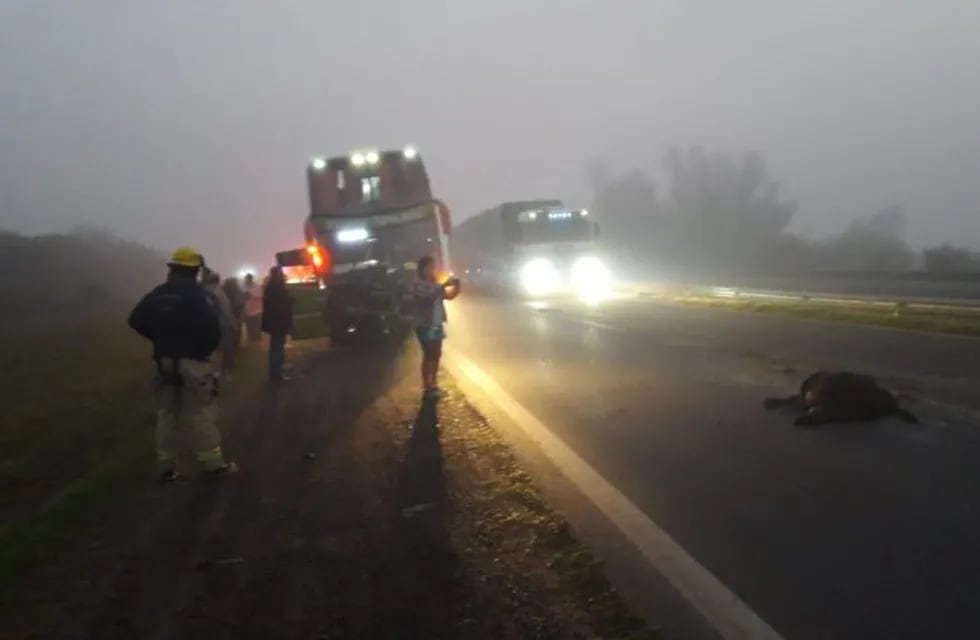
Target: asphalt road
855	531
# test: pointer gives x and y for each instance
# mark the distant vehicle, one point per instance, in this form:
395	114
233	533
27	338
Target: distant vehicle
372	215
536	247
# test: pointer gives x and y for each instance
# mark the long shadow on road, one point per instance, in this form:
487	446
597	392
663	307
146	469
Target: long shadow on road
331	530
421	526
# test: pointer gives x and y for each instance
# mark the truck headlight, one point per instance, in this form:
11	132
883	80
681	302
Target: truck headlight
539	277
591	279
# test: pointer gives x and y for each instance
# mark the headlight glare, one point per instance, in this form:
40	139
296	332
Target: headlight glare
591	279
539	277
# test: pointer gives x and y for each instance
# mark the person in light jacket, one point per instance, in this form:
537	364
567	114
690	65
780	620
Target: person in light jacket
236	297
226	318
430	318
253	309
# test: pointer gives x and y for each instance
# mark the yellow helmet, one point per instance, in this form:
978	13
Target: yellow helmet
186	257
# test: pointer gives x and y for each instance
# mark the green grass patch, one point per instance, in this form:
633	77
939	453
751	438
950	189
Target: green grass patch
309	327
308	322
940	320
76	436
77	426
306	299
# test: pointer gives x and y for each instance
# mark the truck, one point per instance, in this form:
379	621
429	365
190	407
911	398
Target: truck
533	248
372	216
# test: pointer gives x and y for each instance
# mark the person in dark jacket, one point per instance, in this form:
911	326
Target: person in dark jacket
183	325
277	321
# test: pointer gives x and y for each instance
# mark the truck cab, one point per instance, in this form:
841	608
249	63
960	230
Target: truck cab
556	251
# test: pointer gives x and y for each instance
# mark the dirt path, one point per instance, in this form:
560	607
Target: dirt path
358	514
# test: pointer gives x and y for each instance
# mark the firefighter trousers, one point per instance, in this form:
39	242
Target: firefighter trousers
185	401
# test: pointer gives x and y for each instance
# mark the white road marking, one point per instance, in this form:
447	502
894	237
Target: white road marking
730	617
596	324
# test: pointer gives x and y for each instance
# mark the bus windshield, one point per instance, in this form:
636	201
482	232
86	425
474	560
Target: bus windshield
392	245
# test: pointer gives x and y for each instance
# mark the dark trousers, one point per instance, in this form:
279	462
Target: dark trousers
253	327
277	355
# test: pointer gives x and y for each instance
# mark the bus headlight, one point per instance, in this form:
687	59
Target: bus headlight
539	277
353	236
591	279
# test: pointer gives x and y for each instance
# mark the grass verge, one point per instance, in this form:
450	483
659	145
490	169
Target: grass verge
308	322
891	316
306	299
77	436
515	541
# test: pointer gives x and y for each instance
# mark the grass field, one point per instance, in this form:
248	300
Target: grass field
306	299
77	428
949	321
77	424
77	433
307	311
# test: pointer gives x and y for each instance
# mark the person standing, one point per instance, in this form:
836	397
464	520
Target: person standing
430	318
236	298
253	309
277	321
181	322
212	285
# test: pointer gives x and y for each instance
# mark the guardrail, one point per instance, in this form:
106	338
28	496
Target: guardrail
897	303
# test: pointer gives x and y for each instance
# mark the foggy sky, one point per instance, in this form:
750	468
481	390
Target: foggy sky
192	121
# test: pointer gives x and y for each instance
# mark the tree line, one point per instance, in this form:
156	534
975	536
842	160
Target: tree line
71	275
718	211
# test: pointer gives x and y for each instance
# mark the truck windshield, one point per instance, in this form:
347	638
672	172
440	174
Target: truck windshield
565	230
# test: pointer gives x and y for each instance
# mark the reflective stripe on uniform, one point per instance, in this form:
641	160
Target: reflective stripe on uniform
210	459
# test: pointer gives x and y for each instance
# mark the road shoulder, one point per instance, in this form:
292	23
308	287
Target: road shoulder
359	513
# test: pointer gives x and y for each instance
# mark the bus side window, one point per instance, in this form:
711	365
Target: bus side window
417	187
392	182
350	192
323	192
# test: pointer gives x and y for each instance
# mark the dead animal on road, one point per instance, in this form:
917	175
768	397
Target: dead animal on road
841	396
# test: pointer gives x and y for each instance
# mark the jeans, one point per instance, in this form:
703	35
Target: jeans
277	355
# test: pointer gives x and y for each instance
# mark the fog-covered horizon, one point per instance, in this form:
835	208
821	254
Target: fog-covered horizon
184	122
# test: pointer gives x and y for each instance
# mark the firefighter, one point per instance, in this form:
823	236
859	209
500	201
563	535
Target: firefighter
180	321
